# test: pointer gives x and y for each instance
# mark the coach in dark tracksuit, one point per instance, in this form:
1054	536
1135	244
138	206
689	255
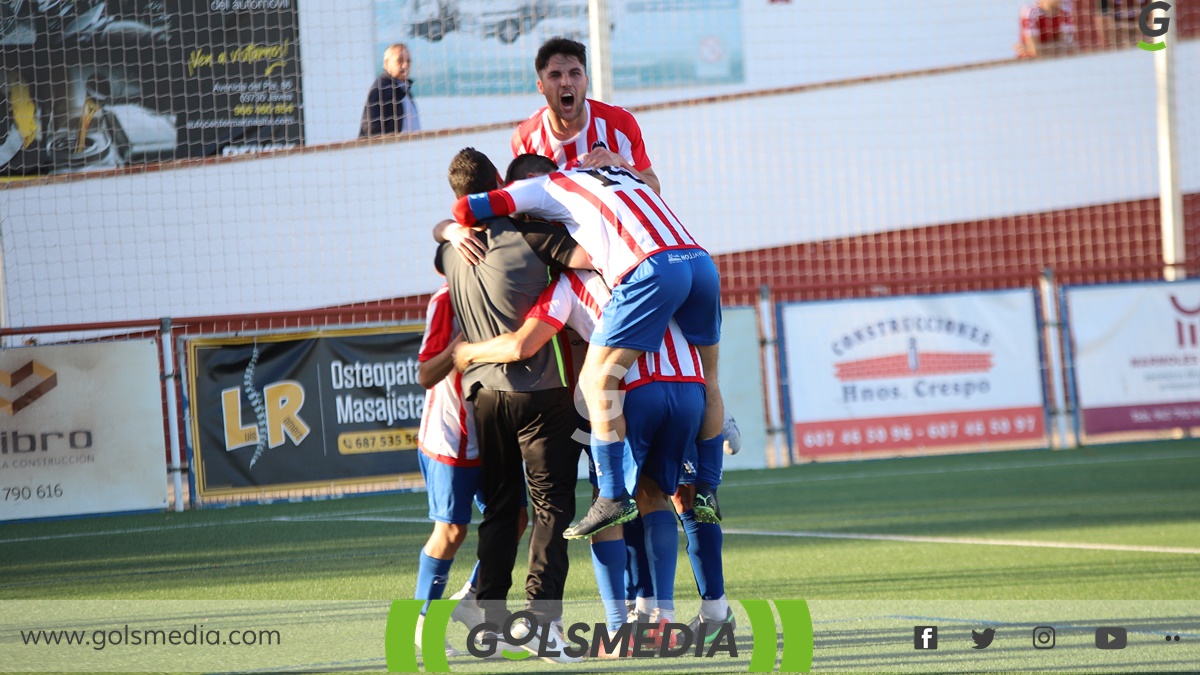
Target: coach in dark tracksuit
523	410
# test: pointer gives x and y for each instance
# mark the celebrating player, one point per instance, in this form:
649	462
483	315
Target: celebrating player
575	131
449	461
657	272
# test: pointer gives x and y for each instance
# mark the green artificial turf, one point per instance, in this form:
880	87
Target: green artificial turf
365	549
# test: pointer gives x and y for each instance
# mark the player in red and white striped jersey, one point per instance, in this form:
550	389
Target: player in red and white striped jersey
658	273
449	454
575	131
447	432
576	300
1047	29
609	211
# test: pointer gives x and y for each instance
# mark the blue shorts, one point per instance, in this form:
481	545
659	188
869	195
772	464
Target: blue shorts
662	420
451	490
679	283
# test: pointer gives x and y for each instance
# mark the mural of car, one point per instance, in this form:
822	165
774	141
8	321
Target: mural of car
437	19
505	20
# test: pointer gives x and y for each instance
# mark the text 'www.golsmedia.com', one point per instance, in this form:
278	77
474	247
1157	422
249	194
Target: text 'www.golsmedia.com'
196	635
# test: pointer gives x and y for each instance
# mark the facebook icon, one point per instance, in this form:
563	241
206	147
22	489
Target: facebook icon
925	637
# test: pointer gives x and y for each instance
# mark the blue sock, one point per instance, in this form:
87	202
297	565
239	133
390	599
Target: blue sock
608	562
710	455
474	580
662	549
638	582
610	467
704	549
432	574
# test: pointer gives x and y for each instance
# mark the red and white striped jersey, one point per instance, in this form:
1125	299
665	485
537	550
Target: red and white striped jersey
447	432
617	219
577	298
614	127
1047	28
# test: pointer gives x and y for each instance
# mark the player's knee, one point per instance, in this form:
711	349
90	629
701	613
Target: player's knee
454	534
683	498
650	497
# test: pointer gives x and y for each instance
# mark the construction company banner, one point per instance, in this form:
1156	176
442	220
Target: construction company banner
486	47
1136	350
290	411
99	85
81	430
866	376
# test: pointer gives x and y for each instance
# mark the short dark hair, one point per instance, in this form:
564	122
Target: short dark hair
523	165
471	171
559	46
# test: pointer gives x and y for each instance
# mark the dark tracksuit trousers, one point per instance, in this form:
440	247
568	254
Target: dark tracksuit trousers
534	427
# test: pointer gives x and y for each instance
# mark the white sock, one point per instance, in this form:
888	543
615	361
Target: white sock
667	614
714	610
646	605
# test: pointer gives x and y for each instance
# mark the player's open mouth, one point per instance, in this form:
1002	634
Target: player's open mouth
567	101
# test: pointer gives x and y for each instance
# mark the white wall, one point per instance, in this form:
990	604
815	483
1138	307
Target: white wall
790	43
327	227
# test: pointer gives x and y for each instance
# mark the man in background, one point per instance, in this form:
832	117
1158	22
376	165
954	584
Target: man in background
390	108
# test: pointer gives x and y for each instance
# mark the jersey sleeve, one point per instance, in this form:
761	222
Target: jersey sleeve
636	152
554	305
523	196
439	326
1028	22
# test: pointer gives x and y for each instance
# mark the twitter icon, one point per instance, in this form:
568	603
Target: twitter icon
984	638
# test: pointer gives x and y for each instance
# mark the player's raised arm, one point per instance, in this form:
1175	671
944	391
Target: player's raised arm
463	240
523	196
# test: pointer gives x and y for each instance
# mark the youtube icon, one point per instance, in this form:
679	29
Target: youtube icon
1111	638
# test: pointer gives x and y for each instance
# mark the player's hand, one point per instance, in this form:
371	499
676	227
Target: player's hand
460	357
599	157
464	241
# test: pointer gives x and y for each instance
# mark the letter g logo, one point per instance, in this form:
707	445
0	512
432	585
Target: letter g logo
1161	24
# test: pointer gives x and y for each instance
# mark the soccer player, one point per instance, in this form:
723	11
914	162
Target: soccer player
657	272
575	131
449	461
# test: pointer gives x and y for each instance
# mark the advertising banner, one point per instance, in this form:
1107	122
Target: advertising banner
1137	355
484	47
866	376
81	430
97	84
289	411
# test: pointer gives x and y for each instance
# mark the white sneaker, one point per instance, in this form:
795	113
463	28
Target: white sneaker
733	437
451	652
501	645
467	611
555	642
463	592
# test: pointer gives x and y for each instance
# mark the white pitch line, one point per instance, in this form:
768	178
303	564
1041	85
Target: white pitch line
969	541
186	526
860	475
359	519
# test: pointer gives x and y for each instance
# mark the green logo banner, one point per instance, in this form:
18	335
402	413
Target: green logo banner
793	634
